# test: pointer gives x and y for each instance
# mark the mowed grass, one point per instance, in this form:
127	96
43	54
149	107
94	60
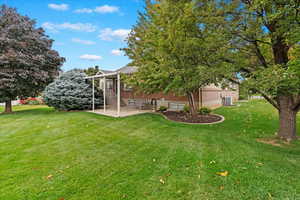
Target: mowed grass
52	155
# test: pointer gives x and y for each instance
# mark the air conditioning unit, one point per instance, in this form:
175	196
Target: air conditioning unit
227	101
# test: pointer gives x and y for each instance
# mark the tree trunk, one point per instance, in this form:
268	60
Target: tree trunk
8	106
200	98
287	119
192	105
287	113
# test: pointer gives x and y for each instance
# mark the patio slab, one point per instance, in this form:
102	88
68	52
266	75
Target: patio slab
125	112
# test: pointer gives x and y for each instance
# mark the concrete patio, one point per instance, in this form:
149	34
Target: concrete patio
124	112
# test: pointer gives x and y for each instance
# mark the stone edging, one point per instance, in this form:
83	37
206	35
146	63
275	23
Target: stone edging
222	120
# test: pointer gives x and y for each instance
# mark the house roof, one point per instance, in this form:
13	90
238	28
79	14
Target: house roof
106	71
109	73
127	70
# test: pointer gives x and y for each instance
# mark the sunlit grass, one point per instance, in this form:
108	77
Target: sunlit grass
45	154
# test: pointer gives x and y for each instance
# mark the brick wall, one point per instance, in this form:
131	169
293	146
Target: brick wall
211	97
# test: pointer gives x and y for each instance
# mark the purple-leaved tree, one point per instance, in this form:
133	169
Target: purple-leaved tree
27	62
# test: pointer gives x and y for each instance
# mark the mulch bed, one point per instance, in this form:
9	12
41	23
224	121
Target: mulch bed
185	117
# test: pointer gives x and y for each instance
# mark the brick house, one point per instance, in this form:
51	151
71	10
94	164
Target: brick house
119	94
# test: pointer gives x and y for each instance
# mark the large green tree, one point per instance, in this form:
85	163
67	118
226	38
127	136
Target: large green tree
262	46
27	62
168	45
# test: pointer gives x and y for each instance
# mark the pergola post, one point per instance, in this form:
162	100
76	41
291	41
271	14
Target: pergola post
104	94
119	94
93	95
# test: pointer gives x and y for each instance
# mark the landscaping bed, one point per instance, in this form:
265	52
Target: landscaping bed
187	118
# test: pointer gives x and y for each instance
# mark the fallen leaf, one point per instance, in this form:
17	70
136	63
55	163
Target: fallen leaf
260	164
49	176
225	173
212	162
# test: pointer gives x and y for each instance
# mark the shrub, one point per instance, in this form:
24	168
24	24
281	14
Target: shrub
71	91
204	111
186	109
31	101
162	108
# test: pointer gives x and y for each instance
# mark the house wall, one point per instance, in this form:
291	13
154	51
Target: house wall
211	97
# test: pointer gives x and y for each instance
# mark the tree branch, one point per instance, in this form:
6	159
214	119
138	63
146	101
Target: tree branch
234	81
259	55
296	106
252	40
269	99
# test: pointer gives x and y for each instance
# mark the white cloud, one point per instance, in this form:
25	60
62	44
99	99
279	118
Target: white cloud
59	43
84	10
116	52
90	57
61	7
87	27
86	42
49	26
106	9
119	34
100	9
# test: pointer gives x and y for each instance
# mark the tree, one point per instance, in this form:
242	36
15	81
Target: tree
27	62
168	47
71	91
91	71
262	46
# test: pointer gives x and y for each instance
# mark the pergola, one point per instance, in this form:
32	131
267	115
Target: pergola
104	76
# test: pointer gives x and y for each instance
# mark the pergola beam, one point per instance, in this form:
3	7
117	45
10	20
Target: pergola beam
119	94
93	95
102	75
104	95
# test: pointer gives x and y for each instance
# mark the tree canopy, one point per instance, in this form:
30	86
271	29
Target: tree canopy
27	61
167	45
262	46
180	46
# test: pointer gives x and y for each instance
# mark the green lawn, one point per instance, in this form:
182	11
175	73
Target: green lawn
87	156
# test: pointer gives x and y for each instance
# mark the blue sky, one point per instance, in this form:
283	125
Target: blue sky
86	32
